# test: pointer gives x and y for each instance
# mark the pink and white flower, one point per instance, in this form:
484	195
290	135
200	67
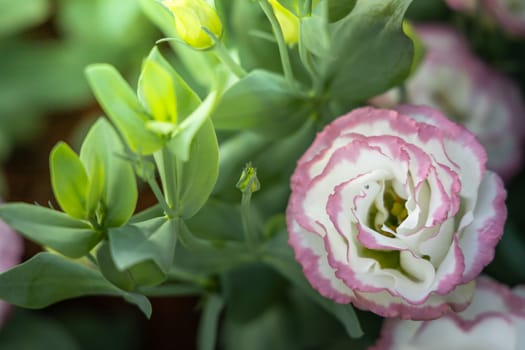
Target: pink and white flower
508	14
455	81
494	320
393	211
11	247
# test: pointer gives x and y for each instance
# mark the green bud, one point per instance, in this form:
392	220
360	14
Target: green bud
288	21
191	17
248	180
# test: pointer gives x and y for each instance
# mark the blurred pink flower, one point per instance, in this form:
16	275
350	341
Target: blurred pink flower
453	80
508	14
11	248
393	211
494	320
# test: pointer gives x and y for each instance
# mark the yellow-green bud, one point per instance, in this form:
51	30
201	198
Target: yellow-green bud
288	21
248	182
191	16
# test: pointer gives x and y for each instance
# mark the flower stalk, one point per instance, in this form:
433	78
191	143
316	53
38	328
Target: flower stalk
281	43
247	184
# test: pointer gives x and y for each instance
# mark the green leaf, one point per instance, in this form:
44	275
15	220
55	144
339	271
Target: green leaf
280	157
217	221
145	273
280	256
152	212
263	103
250	290
122	107
153	240
202	256
362	71
351	70
182	140
121	279
157	93
187	99
338	9
57	230
69	180
200	172
207	332
48	278
112	180
419	46
197	176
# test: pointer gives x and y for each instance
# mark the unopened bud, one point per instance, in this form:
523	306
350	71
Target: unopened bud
248	182
195	20
288	21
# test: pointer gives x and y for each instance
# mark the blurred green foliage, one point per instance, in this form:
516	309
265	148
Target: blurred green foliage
45	46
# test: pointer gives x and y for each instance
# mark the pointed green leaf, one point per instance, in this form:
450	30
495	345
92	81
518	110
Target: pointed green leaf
358	71
182	140
263	103
48	278
338	9
111	176
200	172
57	230
69	180
350	71
156	91
187	99
122	106
121	279
153	240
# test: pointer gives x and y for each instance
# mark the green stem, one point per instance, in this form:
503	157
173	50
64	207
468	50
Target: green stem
283	49
160	197
178	188
305	57
249	235
171	182
224	55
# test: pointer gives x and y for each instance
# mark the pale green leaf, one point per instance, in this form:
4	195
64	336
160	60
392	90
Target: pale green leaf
156	91
69	180
111	176
122	107
153	240
57	230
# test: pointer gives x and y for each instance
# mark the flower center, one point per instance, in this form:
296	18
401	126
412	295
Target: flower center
391	213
